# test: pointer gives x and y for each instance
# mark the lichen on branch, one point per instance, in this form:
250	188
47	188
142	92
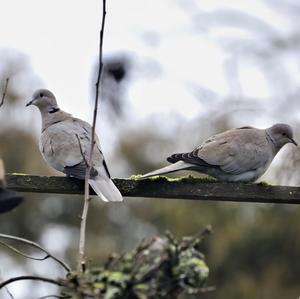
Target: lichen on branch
161	267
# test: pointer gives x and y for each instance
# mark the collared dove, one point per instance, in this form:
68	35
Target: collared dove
65	140
237	155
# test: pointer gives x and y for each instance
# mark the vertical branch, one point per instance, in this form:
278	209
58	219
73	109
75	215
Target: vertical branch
4	92
2	174
82	237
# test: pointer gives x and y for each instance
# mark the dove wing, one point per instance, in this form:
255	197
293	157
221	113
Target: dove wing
236	151
60	147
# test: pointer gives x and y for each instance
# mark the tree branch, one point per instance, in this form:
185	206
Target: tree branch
24	254
88	169
81	151
184	188
2	175
30	277
33	244
160	267
6	288
4	92
55	296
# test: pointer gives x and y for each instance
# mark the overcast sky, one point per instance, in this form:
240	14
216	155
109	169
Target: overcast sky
61	39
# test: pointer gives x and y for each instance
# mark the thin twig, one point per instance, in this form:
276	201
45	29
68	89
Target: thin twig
206	231
4	92
30	277
6	288
2	175
28	242
24	254
9	293
81	151
207	289
88	169
54	296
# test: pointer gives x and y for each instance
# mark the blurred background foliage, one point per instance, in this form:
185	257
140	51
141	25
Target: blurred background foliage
254	250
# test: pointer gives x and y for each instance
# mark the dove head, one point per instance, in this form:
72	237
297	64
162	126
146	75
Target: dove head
281	134
45	100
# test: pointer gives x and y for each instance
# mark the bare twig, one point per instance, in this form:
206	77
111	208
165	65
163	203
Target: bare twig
81	151
30	277
2	175
28	242
88	169
55	296
9	293
4	92
207	231
24	254
207	289
6	288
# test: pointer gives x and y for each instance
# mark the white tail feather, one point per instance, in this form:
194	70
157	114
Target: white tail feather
180	165
106	189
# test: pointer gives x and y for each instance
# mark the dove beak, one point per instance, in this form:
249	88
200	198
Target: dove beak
294	142
29	103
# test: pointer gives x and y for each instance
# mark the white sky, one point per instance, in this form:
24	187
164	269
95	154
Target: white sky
61	40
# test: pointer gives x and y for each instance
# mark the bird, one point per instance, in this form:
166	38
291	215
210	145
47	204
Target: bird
65	144
237	155
8	199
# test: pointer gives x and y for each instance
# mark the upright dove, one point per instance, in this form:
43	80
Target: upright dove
65	144
237	155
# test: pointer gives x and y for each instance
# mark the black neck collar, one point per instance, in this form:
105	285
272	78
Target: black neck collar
54	109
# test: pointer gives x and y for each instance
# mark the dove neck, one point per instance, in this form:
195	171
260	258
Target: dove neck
52	117
272	141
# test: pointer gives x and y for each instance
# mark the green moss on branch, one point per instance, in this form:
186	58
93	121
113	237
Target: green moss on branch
186	178
158	268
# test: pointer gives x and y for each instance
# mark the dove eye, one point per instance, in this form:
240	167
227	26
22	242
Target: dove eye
283	134
41	95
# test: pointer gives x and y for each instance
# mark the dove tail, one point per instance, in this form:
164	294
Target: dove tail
180	165
106	189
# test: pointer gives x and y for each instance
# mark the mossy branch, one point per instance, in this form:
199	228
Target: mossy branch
161	187
162	267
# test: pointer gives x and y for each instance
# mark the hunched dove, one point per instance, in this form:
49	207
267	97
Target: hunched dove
237	155
60	147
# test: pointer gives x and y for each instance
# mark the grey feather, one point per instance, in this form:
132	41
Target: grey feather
78	171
